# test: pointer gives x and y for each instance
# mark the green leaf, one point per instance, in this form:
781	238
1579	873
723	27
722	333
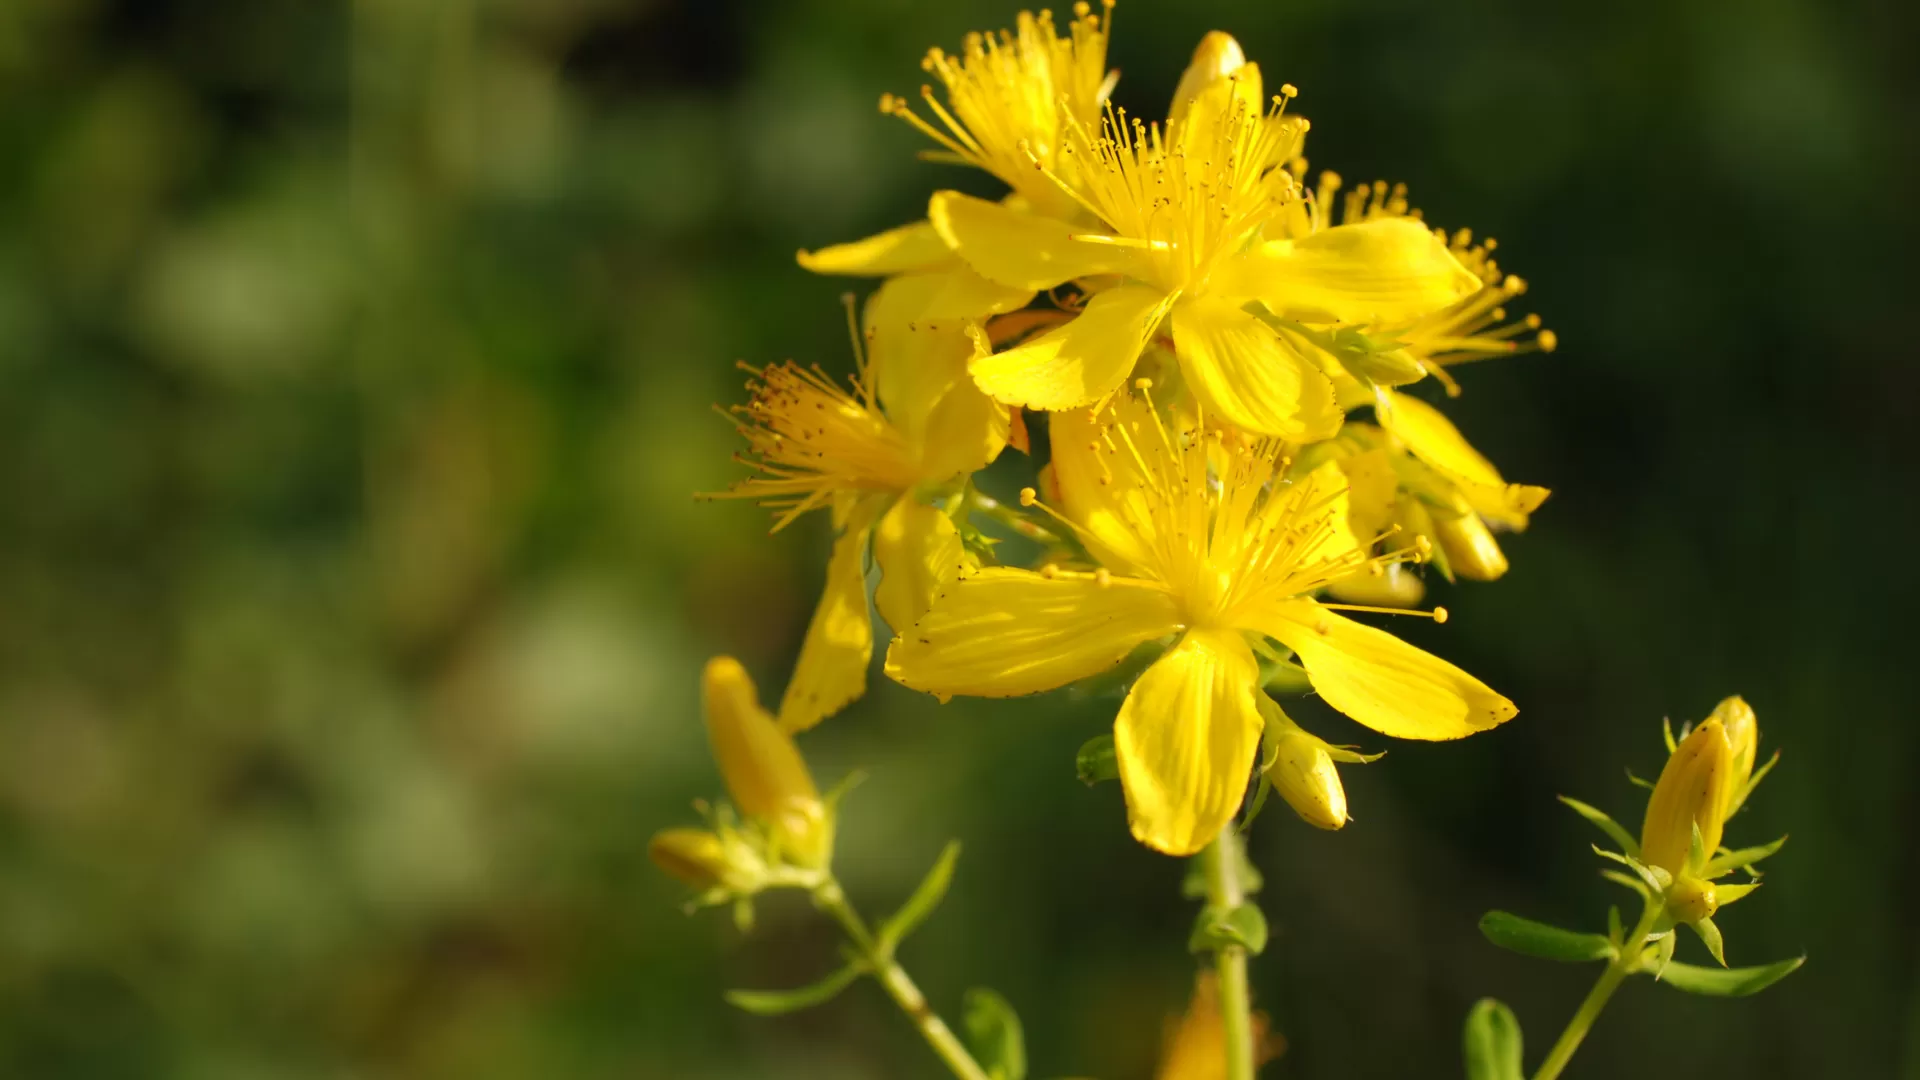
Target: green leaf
1607	825
777	1002
1745	857
1097	761
927	896
994	1035
1531	938
1655	878
1244	926
1491	1042
1728	982
1626	881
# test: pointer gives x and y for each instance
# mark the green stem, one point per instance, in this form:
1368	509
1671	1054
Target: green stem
831	899
1617	971
1224	892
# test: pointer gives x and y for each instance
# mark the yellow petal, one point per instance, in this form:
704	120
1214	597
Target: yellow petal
1079	362
1243	371
947	294
1385	270
919	550
1092	493
1185	740
909	247
1003	632
1381	681
1372	488
919	372
1015	248
1430	436
832	669
1471	550
763	769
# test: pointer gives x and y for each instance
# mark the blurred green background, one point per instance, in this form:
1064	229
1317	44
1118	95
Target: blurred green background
355	373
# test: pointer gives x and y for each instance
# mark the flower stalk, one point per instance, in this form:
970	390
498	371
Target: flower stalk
830	898
1625	962
1224	893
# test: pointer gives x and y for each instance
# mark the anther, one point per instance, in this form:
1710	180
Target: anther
1288	90
1143	383
1028	496
1049	571
1103	577
1548	341
1439	614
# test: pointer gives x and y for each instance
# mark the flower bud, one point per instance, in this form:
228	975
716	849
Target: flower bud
1381	585
761	766
1471	549
1690	791
1743	739
1691	899
695	856
1300	767
1217	57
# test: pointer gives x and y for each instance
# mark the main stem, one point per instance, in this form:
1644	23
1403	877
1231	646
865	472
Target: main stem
833	900
1617	971
1224	892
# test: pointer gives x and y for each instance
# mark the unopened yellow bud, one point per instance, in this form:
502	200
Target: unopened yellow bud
1217	57
1743	739
1471	549
1389	585
1302	771
695	856
762	767
1692	899
1691	791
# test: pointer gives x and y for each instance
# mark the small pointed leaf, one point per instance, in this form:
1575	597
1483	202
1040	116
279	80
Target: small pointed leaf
926	896
777	1002
1532	938
1491	1042
1744	857
1215	929
1607	825
1729	982
1710	936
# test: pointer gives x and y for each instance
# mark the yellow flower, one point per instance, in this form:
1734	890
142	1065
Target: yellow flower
1416	476
1195	1048
1389	353
1743	740
762	767
710	862
912	419
1012	97
1224	558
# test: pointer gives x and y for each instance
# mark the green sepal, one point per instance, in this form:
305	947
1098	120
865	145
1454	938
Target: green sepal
1728	982
1606	823
1696	851
1710	937
1744	858
1538	939
1115	682
926	896
1626	881
1490	1043
778	1002
1214	930
1655	878
1727	894
1666	731
1097	761
1639	781
1193	886
1615	932
994	1034
1285	677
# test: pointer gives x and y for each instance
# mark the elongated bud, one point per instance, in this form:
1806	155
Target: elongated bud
1217	57
1300	766
1743	739
1471	549
760	764
1691	791
1389	585
695	856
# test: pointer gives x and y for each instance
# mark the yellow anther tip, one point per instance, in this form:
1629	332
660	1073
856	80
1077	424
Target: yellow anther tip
1439	614
1548	341
1288	90
1049	571
1143	383
1028	496
1103	577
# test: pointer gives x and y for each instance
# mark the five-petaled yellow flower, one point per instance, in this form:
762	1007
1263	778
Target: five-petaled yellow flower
1224	556
1173	228
912	421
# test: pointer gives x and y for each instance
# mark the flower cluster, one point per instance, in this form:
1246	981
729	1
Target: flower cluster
1221	352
